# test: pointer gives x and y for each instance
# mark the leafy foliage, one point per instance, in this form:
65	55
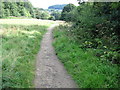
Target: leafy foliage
41	14
65	12
18	9
56	14
97	26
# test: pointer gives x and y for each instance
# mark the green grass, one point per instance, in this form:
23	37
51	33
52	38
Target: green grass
20	45
25	22
86	69
17	17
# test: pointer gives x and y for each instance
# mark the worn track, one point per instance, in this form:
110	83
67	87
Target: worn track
50	72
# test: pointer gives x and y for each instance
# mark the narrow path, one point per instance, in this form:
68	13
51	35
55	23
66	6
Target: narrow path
50	72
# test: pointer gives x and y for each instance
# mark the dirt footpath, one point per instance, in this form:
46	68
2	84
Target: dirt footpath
50	72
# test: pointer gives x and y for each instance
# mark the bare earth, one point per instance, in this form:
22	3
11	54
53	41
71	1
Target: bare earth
50	72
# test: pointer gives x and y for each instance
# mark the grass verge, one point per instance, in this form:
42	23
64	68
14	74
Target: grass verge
86	69
20	44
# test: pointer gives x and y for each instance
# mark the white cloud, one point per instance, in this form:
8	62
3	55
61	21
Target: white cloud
47	3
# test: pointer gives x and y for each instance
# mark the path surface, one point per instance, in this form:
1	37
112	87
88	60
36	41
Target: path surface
50	72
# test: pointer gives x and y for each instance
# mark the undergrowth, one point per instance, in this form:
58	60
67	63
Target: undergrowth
88	70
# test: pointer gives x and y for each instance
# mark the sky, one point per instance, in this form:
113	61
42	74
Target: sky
46	3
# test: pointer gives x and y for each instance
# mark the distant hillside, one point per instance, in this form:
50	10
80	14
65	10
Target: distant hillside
59	7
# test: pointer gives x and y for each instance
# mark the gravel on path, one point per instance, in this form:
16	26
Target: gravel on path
50	72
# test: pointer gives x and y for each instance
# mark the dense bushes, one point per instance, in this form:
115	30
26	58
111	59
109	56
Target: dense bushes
90	47
96	25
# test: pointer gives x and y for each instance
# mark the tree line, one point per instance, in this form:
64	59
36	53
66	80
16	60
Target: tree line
16	9
25	9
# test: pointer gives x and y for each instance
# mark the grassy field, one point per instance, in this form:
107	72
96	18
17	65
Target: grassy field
20	44
17	17
85	68
26	22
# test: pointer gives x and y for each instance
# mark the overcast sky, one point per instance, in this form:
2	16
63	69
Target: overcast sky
46	3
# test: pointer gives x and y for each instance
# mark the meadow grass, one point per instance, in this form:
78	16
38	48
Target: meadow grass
17	17
20	45
86	69
26	22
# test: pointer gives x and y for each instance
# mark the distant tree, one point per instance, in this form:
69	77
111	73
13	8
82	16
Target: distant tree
33	14
66	10
16	9
51	18
1	9
25	13
45	15
41	14
7	12
56	14
29	8
37	13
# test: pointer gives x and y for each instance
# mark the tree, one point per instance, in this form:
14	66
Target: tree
7	12
41	14
29	8
51	18
1	9
68	8
16	9
45	15
56	15
25	13
37	13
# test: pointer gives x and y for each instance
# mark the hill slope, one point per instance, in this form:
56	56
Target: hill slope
59	7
